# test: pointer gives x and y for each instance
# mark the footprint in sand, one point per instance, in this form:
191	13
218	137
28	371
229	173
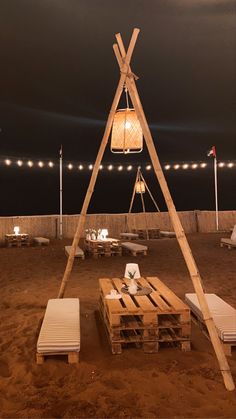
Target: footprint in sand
4	369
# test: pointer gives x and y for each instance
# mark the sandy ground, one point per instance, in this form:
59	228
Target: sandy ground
167	384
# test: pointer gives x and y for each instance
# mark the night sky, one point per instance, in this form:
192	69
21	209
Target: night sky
58	77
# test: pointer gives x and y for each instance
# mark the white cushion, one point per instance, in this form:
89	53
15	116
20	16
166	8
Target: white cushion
79	251
134	246
60	331
41	240
224	315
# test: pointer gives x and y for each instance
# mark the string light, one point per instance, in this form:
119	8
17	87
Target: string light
8	162
129	167
110	167
19	163
90	167
230	165
185	166
40	164
80	167
120	168
167	167
194	166
203	165
148	167
100	167
30	163
50	164
70	166
176	166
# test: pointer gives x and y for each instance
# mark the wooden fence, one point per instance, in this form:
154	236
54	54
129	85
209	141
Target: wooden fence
48	225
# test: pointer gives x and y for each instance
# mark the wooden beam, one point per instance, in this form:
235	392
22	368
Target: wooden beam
133	194
180	235
79	229
153	200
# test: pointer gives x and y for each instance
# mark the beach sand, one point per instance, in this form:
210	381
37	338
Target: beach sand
167	384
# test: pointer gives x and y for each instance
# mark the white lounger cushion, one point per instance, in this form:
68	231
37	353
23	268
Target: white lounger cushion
60	331
41	240
224	315
167	233
129	235
134	246
232	240
79	252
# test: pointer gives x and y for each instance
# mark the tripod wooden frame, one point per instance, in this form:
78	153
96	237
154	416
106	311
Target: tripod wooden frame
127	79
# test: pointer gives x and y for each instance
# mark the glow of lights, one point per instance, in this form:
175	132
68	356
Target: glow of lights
167	167
70	166
30	163
90	167
8	162
103	234
129	167
110	167
80	167
19	163
185	166
50	164
127	125
100	167
148	167
120	168
194	166
16	230
40	163
230	165
221	164
203	165
176	166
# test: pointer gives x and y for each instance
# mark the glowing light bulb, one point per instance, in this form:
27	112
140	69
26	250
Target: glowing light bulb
176	166
194	166
230	165
129	167
30	163
19	163
50	164
185	166
70	166
167	166
203	165
120	168
148	167
40	164
16	230
110	167
127	125
90	167
100	167
8	162
80	167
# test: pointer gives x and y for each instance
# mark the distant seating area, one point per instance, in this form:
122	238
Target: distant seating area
40	241
129	236
169	234
229	242
78	254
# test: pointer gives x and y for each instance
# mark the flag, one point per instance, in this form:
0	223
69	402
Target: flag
60	152
212	152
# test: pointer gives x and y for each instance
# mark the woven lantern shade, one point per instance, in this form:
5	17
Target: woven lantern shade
139	187
127	136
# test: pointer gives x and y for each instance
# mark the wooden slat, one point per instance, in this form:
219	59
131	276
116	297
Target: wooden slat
169	295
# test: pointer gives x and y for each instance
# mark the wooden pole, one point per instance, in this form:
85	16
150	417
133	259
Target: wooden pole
61	191
216	193
133	194
79	229
180	235
143	205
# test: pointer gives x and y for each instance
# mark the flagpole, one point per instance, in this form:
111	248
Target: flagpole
61	191
216	193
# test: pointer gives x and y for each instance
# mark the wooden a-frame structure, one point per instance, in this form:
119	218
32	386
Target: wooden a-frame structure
140	179
127	79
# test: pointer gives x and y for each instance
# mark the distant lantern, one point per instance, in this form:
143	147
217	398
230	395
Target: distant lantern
140	187
127	136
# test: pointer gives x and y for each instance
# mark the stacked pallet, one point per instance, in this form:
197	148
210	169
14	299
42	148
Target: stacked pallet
97	248
151	233
151	321
17	240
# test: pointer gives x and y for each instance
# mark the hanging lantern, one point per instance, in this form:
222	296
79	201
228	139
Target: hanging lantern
127	136
139	187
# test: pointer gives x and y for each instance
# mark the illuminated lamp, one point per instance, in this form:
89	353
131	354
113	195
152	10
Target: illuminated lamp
127	135
139	187
50	164
103	234
16	230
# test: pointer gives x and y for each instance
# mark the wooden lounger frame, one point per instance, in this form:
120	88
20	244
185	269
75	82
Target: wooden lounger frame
127	79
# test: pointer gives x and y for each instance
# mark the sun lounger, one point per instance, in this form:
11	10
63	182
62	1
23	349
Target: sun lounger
41	241
60	330
129	236
134	248
223	314
167	233
78	254
229	242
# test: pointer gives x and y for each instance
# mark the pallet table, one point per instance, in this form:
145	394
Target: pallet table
17	240
150	321
153	233
106	247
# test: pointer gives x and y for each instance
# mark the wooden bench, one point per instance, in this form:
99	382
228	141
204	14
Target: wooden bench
223	314
228	243
134	248
168	234
78	254
60	330
129	236
41	241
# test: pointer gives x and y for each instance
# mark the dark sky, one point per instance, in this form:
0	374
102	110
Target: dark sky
58	76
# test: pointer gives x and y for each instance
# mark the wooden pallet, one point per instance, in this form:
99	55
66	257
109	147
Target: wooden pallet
97	249
149	321
73	357
134	249
153	233
227	346
17	240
